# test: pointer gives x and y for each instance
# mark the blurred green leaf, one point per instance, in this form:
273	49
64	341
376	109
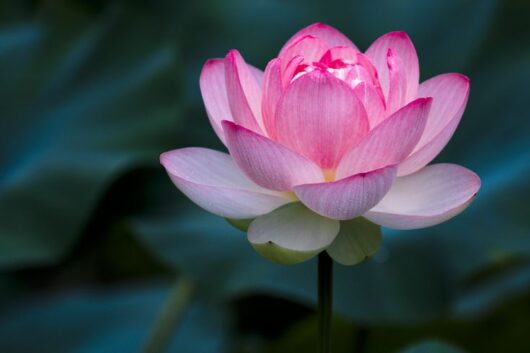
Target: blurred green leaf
81	104
111	320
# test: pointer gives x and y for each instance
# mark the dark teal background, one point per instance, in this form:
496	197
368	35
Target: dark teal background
93	234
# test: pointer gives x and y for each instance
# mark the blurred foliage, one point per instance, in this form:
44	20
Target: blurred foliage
92	232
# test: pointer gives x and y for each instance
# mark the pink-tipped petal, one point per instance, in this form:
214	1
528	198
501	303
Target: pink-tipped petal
349	197
272	91
431	196
309	48
212	180
267	162
343	53
450	93
328	34
389	143
372	70
320	117
243	91
293	227
213	89
403	48
289	72
397	83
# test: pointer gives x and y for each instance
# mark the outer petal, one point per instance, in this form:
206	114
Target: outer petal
330	35
267	162
310	48
426	198
320	117
349	197
213	90
403	48
389	143
450	93
292	228
243	91
212	180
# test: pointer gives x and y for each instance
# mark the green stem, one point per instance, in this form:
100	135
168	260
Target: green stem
170	316
325	301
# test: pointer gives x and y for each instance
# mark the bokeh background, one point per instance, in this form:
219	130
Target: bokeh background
97	247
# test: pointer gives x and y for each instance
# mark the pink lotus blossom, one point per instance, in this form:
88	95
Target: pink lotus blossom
333	131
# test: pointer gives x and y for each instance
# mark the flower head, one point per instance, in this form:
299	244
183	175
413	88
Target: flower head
326	134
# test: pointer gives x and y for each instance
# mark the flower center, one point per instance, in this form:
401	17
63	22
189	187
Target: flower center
348	71
329	174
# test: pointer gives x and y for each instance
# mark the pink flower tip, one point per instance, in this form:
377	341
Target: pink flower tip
424	100
230	124
319	25
232	55
210	62
163	158
463	77
399	34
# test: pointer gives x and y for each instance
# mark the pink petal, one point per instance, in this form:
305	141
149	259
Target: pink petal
272	91
403	48
244	91
257	73
212	180
431	196
450	93
328	34
320	117
397	89
344	53
372	102
310	48
267	162
389	143
290	69
372	70
213	90
347	198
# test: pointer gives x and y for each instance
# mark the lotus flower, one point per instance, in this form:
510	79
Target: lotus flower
324	135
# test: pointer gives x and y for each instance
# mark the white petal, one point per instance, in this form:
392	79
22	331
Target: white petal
212	180
431	196
295	228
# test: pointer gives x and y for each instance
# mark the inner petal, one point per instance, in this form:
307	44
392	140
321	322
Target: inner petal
320	116
353	69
